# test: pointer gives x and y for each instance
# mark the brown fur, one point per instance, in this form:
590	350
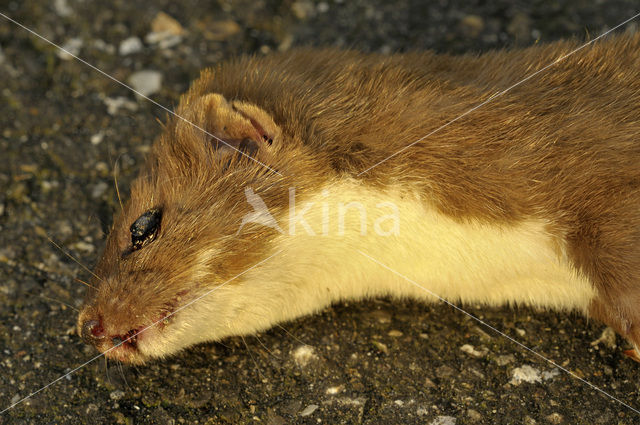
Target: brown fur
563	146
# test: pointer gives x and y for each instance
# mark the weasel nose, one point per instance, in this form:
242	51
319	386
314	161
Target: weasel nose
92	331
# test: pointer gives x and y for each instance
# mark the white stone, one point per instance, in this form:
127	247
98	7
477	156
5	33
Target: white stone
99	189
303	355
470	350
115	103
550	374
333	390
525	373
116	395
96	139
62	8
146	82
72	47
309	410
531	375
444	420
130	45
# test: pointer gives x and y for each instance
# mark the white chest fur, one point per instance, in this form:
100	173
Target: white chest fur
320	256
318	259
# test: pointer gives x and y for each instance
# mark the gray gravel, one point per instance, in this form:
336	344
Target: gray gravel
63	125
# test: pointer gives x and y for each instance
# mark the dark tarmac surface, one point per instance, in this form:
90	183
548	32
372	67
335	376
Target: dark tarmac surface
62	127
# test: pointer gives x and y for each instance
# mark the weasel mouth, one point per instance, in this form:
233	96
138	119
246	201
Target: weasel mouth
128	340
123	346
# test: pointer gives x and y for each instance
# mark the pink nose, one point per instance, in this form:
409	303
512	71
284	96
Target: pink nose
93	332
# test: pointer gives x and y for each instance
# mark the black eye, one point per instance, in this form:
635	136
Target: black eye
145	228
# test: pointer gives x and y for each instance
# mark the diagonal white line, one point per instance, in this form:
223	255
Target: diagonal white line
499	332
136	334
134	90
527	78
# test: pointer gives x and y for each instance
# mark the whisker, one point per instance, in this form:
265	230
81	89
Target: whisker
73	258
252	358
106	370
265	347
292	335
276	325
224	345
50	273
61	302
84	283
121	370
115	182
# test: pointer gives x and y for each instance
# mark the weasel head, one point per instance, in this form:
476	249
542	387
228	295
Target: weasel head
178	237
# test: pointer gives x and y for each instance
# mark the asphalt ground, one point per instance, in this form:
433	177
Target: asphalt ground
62	127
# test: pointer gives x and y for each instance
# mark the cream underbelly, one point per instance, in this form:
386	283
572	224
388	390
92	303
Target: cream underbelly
322	254
325	249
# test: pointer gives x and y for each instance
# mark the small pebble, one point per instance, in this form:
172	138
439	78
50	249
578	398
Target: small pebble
303	9
555	418
334	390
505	359
130	46
91	409
474	415
72	46
380	316
62	8
525	373
146	82
303	355
309	410
163	23
472	25
115	103
546	375
96	139
222	30
103	46
381	347
607	338
99	189
444	372
470	350
116	395
84	246
169	42
444	420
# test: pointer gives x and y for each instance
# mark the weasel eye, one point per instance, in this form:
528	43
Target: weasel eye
145	228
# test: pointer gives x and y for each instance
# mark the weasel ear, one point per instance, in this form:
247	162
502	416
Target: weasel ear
238	126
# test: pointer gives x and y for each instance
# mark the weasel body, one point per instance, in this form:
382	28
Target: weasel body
533	198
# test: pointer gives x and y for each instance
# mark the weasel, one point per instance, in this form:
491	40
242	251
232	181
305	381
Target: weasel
263	207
